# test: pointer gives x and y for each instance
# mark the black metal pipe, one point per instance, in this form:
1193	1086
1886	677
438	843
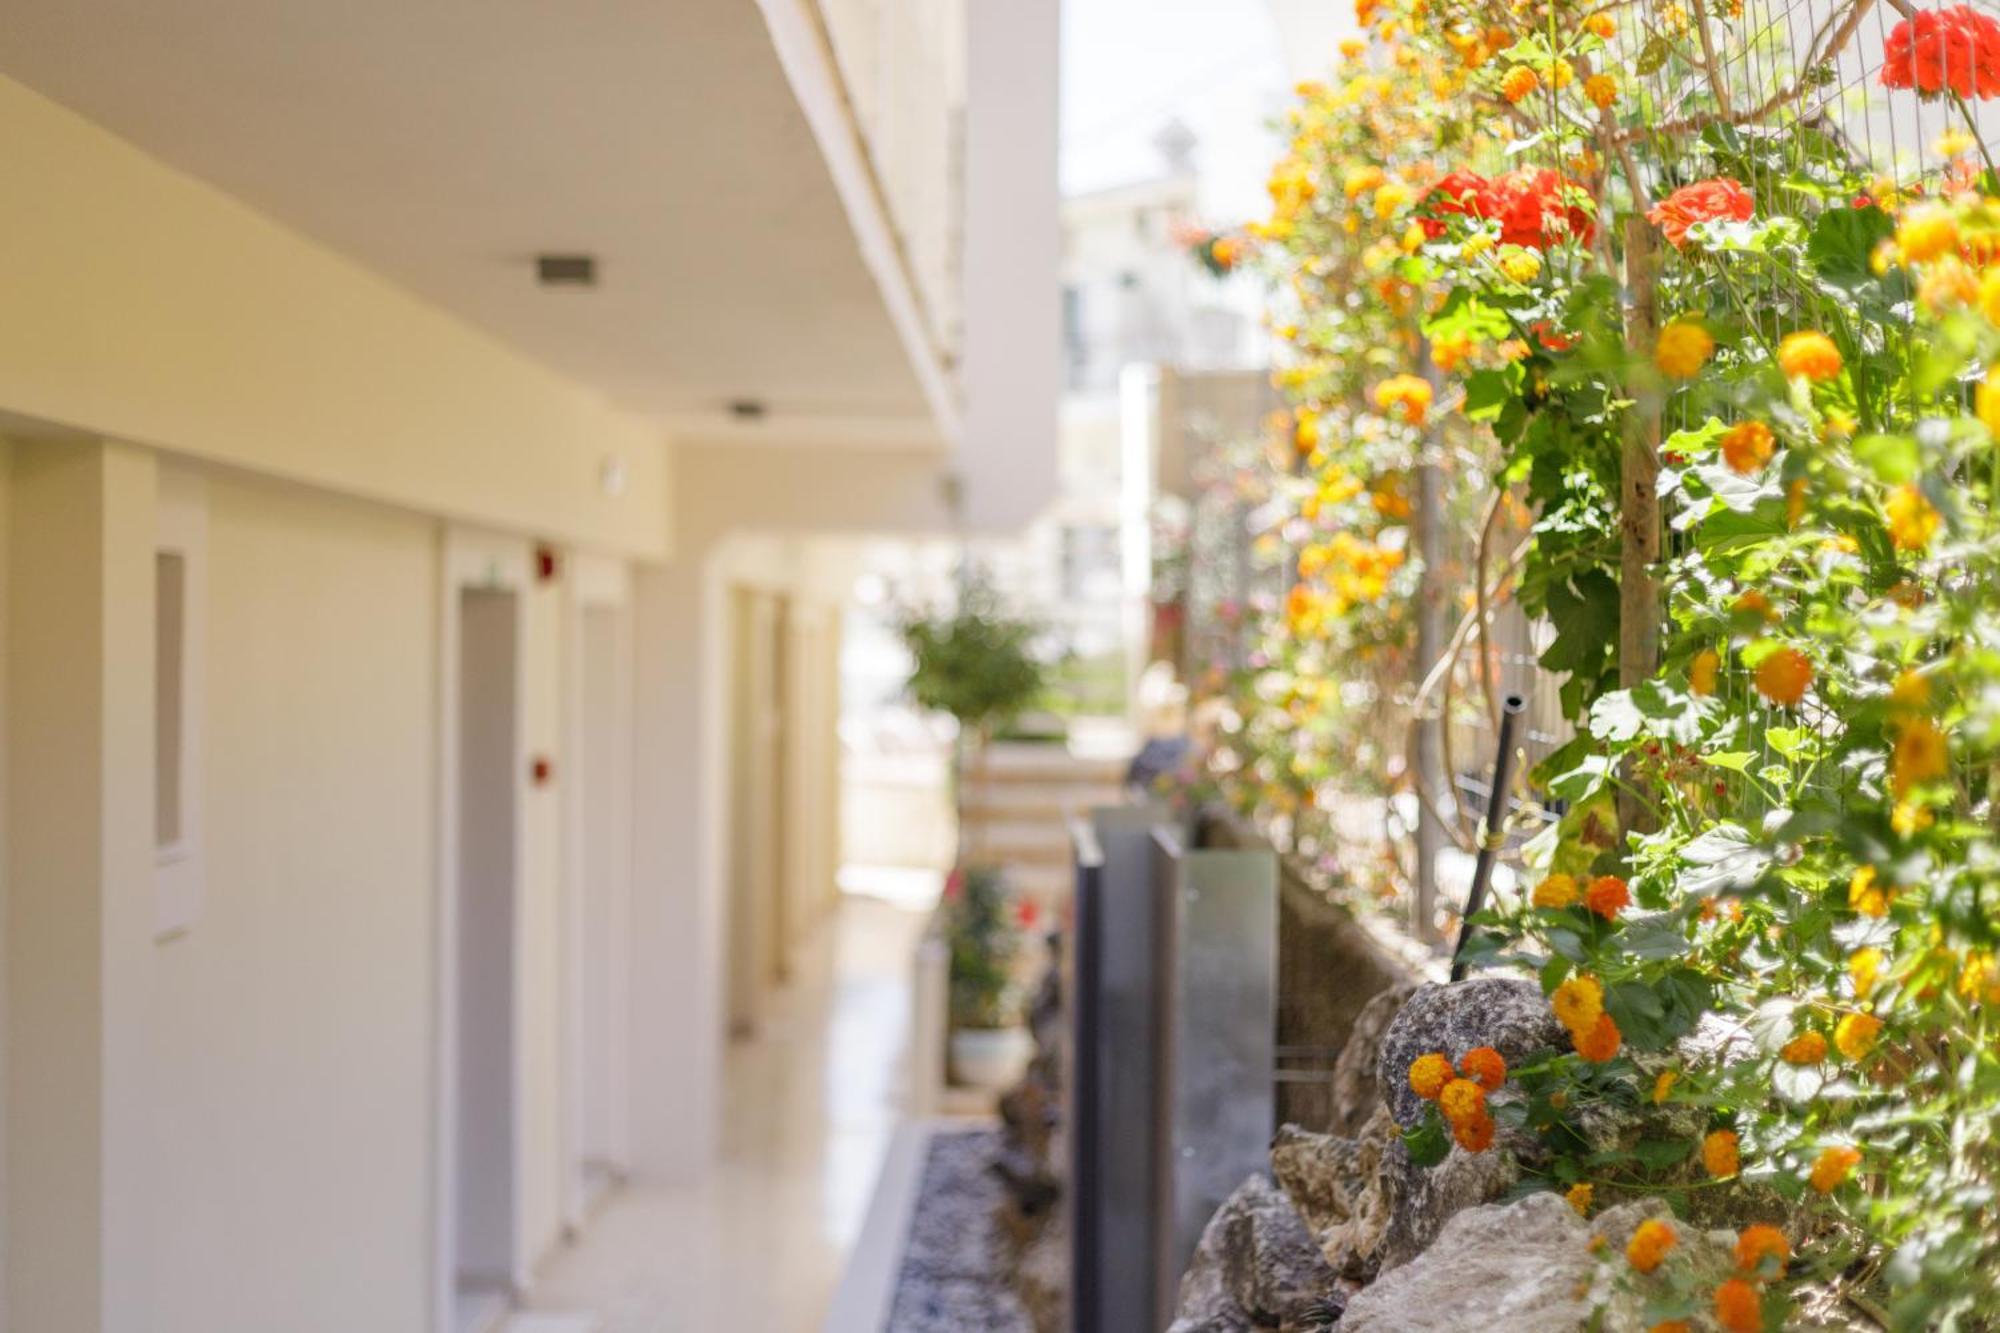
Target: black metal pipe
1490	833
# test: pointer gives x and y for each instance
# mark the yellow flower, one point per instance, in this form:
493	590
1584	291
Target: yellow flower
1808	355
1602	25
1404	396
1476	244
1555	891
1520	265
1719	1155
1952	143
1795	502
1747	446
1912	691
1663	1086
1808	1048
1578	1003
1578	1197
1831	1167
1989	295
1921	754
1429	1073
1865	967
1855	1034
1462	1101
1701	671
1602	90
1562	74
1650	1243
1926	232
1353	48
1520	82
1986	398
1865	895
1979	979
1360	180
1683	349
1912	521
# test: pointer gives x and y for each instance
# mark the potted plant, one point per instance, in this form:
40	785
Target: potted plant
989	1048
976	664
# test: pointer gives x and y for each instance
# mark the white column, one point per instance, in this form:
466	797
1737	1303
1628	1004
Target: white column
79	935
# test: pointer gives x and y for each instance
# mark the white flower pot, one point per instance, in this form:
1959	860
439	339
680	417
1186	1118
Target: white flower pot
991	1059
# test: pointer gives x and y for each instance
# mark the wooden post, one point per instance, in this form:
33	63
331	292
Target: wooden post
1431	778
1639	609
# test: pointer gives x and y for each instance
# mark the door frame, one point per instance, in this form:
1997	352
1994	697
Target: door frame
595	584
469	560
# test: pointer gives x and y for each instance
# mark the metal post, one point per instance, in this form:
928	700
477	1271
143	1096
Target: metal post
1492	832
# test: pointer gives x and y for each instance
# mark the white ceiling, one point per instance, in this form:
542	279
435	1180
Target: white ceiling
444	143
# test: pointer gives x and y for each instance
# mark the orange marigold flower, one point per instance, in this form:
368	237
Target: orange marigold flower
1759	1242
1663	1086
1912	521
1474	1135
1608	896
1650	1243
1747	446
1555	891
1921	754
1701	671
1683	349
1578	1197
1579	1003
1484	1066
1738	1308
1462	1101
1600	1043
1808	354
1783	677
1429	1074
1520	82
1602	90
1404	396
1719	1155
1831	1167
1855	1034
1808	1048
1603	25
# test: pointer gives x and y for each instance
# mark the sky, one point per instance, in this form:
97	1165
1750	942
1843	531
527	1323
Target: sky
1129	66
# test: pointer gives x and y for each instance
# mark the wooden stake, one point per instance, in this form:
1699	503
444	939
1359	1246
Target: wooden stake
1638	485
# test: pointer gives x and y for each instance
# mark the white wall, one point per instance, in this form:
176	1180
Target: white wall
292	1027
212	331
539	937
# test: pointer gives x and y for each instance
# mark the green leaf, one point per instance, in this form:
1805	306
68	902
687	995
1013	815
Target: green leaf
1844	239
1426	1142
1892	458
1736	761
1788	741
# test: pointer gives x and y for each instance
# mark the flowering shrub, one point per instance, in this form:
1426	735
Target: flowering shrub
1719	378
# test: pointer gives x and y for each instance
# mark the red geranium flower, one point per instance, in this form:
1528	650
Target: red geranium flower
1531	208
1720	199
1455	195
1956	48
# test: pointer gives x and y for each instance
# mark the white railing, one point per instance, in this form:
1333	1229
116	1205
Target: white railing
902	66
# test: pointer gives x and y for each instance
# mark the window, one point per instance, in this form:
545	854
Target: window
180	565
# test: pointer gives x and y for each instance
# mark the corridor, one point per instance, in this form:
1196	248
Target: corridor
812	1102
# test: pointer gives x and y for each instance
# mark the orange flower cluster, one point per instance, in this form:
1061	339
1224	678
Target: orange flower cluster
1832	1166
1579	1006
1462	1097
1719	1156
1608	896
1649	1244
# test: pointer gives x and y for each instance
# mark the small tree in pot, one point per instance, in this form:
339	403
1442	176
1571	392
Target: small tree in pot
976	664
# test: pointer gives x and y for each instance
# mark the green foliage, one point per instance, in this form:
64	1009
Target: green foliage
981	932
975	663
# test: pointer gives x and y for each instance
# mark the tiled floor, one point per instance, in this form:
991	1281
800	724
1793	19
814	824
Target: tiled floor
813	1101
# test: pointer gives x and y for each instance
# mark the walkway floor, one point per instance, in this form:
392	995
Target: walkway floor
812	1103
